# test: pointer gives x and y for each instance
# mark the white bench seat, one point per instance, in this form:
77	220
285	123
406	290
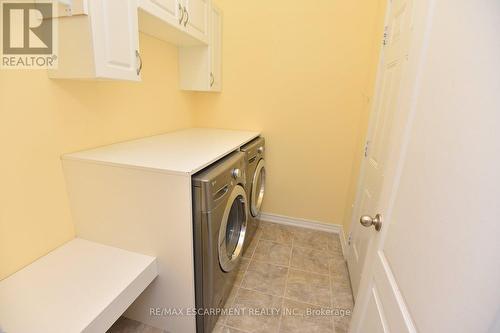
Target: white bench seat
81	286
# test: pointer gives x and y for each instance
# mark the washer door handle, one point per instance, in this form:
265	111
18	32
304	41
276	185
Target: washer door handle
221	193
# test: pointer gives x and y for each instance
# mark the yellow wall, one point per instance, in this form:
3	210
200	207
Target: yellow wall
40	119
300	72
303	74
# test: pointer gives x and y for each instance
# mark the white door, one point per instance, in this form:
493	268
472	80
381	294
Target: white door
170	11
196	21
435	264
216	50
116	39
378	144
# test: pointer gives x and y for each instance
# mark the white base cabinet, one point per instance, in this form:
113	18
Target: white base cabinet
143	211
201	66
101	45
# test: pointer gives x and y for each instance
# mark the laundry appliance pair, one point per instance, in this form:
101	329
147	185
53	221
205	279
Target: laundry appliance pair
227	198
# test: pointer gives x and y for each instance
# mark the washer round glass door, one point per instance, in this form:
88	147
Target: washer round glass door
233	228
258	188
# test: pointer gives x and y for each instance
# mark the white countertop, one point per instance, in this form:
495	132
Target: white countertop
181	152
81	286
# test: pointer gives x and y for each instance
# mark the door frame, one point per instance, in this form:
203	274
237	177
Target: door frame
407	104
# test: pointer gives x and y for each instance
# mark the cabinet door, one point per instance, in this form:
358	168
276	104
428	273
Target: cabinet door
200	67
196	21
116	39
167	10
216	50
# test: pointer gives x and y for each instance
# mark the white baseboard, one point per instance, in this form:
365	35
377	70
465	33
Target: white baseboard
304	223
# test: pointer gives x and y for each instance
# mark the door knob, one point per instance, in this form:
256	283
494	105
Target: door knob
368	221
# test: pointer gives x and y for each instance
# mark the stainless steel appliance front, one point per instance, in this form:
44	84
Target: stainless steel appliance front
256	183
220	215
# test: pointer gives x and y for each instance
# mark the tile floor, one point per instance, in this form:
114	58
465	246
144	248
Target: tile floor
293	273
125	325
290	280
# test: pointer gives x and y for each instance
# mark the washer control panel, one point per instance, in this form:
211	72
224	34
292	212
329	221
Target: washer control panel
236	173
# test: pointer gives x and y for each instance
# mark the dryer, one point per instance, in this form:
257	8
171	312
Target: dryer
255	183
220	216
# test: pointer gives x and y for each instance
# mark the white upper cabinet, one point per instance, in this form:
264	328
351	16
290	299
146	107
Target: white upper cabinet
101	45
216	50
201	66
196	20
182	22
167	10
117	35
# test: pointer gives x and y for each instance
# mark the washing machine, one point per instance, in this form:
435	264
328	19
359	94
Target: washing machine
220	217
255	183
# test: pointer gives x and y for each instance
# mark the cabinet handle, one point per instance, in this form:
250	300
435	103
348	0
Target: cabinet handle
212	79
181	11
187	16
138	55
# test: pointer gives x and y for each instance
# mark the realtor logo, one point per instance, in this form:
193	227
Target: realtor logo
27	34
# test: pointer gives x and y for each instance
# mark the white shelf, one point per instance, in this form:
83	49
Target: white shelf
182	152
81	286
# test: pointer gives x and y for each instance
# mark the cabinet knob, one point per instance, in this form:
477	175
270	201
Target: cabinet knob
212	79
139	68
